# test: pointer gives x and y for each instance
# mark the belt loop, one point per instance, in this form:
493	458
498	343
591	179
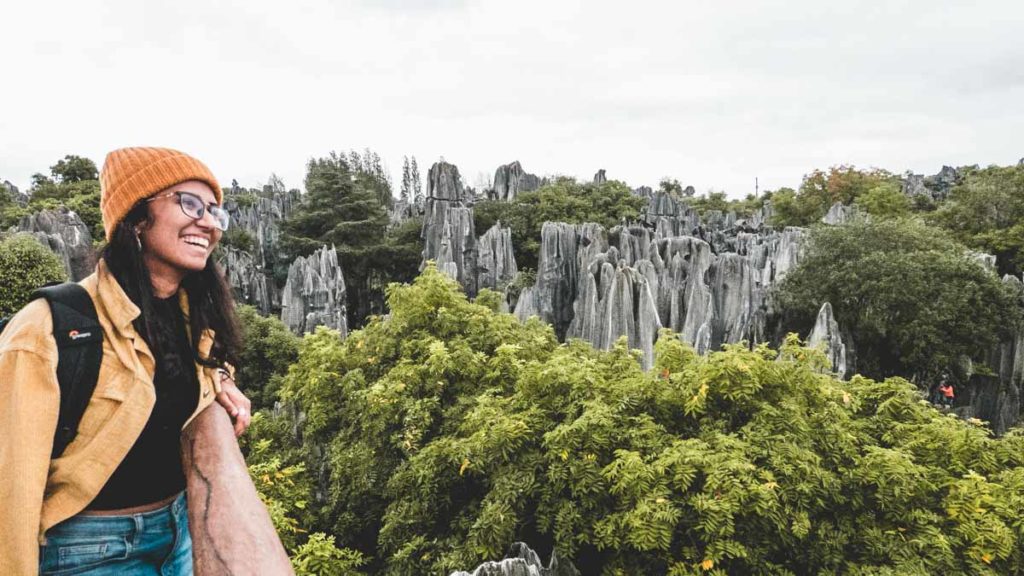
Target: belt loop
140	526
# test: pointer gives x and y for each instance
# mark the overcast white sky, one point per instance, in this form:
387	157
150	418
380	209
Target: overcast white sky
712	93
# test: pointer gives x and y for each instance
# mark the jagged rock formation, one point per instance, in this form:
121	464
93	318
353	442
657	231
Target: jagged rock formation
996	398
988	261
248	282
19	197
314	294
826	334
840	213
632	280
600	177
448	233
63	232
496	262
258	216
403	210
510	180
935	187
523	561
643	192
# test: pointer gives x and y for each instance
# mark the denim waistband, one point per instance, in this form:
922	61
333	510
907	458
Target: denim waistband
124	525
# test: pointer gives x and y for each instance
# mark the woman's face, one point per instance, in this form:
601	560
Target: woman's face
173	243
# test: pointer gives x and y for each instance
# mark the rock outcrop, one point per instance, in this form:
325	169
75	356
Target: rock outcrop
840	213
936	187
256	216
314	294
521	560
826	334
996	397
510	180
248	281
448	233
632	280
19	197
600	177
63	232
496	262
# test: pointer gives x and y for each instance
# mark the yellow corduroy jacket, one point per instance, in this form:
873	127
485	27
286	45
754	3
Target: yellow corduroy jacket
36	492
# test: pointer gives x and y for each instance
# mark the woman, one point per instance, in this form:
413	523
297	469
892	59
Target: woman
113	502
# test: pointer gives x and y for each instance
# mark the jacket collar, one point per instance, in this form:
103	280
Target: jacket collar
120	308
121	311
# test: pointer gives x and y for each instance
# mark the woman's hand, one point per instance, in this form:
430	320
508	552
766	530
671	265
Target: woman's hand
232	399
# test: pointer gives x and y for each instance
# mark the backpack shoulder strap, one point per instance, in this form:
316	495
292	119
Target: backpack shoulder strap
79	337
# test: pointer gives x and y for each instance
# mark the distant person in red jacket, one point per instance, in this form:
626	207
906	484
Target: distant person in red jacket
946	390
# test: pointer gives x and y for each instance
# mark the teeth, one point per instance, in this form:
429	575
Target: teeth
197	241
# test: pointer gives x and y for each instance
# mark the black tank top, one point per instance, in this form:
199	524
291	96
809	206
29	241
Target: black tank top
152	470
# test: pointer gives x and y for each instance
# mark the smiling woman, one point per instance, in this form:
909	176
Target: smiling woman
113	502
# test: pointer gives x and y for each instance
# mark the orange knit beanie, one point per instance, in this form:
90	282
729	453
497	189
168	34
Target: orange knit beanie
131	174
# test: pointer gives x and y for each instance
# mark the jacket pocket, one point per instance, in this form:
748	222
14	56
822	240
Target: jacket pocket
112	389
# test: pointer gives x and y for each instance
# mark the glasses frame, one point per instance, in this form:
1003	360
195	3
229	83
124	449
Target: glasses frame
203	208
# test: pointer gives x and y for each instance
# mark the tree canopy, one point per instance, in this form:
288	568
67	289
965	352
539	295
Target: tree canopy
446	431
913	299
345	205
73	183
25	265
821	189
986	212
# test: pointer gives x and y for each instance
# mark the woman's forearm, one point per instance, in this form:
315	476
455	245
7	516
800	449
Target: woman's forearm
231	529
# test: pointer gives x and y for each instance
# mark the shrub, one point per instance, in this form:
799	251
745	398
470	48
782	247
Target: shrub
25	265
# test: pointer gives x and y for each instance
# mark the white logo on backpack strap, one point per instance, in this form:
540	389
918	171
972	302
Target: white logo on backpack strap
76	335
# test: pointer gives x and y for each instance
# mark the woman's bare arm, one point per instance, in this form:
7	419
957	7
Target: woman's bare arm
230	527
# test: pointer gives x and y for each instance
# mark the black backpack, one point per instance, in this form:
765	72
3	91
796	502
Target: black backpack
79	354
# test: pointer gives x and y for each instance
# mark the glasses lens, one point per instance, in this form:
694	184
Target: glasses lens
221	216
191	205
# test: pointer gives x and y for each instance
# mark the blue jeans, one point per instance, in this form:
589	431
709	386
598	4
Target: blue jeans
146	544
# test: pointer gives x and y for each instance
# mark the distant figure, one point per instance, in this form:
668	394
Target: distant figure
946	390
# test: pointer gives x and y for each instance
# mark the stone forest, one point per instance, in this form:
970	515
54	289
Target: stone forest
617	378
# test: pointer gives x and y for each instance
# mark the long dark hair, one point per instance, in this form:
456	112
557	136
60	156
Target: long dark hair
209	297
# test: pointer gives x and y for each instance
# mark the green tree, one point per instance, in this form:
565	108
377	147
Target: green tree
886	200
986	212
821	189
74	185
345	205
913	299
25	265
74	169
268	349
449	431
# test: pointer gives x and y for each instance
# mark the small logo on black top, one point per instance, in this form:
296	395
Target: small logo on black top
75	334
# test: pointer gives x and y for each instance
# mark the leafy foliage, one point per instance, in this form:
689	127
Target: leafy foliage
285	491
449	431
73	183
564	200
25	265
717	201
986	212
269	348
912	298
820	189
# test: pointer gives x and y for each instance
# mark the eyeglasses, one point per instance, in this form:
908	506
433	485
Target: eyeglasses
192	206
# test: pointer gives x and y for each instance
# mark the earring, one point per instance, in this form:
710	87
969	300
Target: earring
138	241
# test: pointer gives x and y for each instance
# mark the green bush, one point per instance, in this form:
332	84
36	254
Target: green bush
912	298
268	349
447	431
25	265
